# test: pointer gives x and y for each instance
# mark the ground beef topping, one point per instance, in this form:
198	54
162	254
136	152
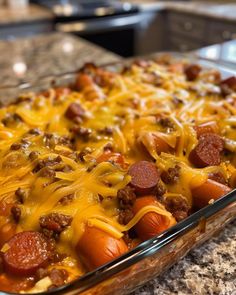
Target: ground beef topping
66	200
21	195
159	190
16	213
47	167
75	112
171	176
178	207
126	197
125	216
58	277
165	122
55	222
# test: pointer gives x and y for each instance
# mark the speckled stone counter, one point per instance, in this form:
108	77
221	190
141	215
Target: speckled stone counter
30	58
30	14
206	270
209	269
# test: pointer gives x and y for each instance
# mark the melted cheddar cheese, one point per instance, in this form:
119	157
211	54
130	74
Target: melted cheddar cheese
127	114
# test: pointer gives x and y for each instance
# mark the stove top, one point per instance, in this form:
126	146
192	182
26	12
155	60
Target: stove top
87	8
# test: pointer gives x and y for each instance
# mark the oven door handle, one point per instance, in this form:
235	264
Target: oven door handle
104	24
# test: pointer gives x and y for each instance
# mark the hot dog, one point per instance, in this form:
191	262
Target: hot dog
109	156
7	231
161	146
152	223
97	247
208	127
86	84
207	191
8	226
154	144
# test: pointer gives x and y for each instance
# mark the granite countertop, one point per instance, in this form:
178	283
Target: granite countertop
209	269
30	14
30	58
223	11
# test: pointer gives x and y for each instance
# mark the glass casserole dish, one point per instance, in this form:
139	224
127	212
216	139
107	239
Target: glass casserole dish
153	256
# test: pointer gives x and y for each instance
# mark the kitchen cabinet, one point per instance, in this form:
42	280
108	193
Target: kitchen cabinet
191	27
187	31
149	36
220	31
178	43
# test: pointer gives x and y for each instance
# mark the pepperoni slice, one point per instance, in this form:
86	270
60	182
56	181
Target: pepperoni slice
144	176
28	251
207	151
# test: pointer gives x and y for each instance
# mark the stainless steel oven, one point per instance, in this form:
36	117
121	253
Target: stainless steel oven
110	24
115	33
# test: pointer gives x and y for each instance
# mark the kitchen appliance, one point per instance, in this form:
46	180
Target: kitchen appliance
110	24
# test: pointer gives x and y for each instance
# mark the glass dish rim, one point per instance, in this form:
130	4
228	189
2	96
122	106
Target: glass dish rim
149	247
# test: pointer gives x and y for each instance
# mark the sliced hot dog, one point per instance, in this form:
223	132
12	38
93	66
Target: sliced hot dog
152	223
28	251
62	91
83	81
8	228
74	110
218	177
154	143
14	284
116	158
144	176
97	247
86	84
207	151
161	146
208	127
208	191
192	72
228	85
